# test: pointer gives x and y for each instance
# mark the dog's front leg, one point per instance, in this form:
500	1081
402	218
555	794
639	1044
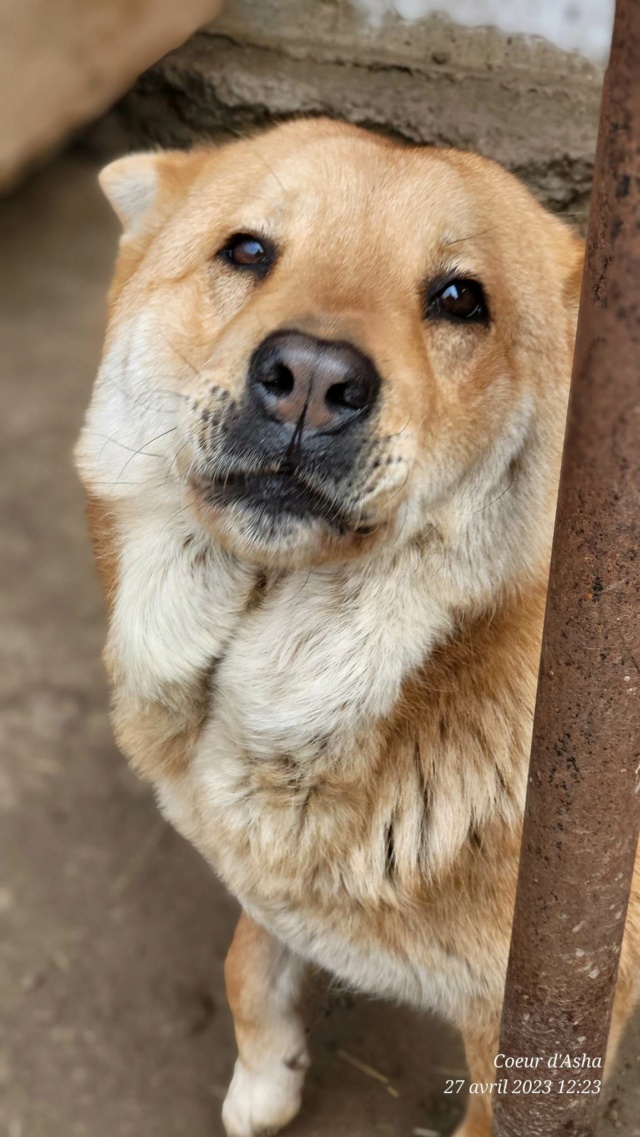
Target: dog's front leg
264	980
481	1048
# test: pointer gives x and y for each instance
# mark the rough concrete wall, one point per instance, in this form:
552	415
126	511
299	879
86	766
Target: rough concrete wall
64	61
518	100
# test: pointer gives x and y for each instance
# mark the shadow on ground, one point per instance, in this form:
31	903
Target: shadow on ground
114	1017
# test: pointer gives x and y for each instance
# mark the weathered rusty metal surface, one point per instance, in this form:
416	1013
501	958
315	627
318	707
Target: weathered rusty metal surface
581	824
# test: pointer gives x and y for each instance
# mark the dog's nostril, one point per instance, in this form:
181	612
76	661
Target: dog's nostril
352	395
280	381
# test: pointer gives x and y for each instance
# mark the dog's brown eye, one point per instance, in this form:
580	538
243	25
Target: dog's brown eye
458	299
248	252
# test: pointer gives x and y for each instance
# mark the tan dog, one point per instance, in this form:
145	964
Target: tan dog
321	461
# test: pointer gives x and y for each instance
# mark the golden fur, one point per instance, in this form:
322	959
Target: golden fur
339	719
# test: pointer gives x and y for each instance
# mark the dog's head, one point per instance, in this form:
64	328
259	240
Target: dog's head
319	341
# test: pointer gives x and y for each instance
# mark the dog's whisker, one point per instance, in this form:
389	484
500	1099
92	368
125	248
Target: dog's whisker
140	450
156	393
173	517
187	362
403	430
495	499
175	458
470	237
123	446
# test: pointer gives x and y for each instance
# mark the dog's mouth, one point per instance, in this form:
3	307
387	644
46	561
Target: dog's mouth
279	495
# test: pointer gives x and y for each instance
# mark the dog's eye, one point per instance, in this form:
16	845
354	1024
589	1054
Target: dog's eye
245	251
458	299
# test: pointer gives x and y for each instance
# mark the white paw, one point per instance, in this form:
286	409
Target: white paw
260	1103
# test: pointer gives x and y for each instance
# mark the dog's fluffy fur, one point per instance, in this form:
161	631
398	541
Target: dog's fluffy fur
337	717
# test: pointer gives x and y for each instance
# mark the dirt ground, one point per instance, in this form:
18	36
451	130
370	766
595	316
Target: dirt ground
114	1022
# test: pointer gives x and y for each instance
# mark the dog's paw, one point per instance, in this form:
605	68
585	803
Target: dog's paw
259	1103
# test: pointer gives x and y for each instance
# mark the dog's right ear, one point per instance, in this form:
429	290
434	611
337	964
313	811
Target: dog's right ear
138	186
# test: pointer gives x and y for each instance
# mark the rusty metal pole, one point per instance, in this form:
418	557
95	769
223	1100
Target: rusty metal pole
582	813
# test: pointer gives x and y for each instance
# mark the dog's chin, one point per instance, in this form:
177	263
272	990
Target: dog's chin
273	521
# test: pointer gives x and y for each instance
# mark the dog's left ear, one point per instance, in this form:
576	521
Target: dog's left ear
140	186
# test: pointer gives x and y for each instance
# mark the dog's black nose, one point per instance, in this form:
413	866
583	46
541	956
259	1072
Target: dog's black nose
326	384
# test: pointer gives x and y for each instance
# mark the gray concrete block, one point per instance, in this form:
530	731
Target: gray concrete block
516	99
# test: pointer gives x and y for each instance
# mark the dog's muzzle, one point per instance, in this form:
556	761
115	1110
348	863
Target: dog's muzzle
300	428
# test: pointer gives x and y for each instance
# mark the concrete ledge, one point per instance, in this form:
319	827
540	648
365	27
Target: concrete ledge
518	100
